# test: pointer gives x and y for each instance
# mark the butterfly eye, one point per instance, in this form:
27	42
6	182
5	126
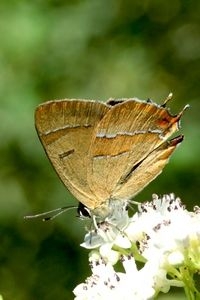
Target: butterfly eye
83	211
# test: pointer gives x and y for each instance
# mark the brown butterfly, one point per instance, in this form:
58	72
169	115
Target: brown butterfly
107	152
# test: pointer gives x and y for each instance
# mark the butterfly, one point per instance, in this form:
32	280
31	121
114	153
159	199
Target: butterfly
106	153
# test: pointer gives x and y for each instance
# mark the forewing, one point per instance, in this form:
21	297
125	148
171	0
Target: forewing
65	129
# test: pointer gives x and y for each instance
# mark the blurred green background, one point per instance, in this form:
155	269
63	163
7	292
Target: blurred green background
93	49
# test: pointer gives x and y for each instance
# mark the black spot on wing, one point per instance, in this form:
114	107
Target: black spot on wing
65	154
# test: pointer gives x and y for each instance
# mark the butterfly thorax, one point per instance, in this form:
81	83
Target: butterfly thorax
110	209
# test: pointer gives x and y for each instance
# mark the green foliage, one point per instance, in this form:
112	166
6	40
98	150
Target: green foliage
83	49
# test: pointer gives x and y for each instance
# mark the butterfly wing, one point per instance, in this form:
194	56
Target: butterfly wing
65	129
146	170
129	148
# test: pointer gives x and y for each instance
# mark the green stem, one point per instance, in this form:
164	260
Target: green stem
189	285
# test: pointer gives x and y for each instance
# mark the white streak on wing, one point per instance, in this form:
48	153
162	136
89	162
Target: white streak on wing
102	134
65	127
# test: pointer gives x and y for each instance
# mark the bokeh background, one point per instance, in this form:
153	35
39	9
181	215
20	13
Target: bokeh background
93	49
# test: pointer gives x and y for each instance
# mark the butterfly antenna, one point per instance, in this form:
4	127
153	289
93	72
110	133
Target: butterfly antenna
56	212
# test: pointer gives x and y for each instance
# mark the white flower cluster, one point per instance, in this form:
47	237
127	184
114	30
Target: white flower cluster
162	236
